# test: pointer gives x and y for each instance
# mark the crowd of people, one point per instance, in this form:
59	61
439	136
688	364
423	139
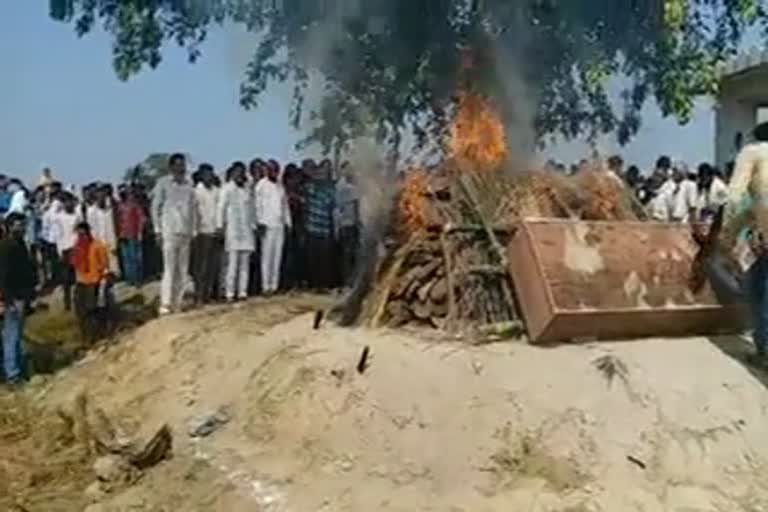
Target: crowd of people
256	229
671	191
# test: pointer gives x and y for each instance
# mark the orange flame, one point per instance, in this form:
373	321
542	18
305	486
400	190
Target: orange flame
478	140
413	200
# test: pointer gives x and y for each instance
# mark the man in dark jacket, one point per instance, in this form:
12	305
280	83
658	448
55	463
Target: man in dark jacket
17	286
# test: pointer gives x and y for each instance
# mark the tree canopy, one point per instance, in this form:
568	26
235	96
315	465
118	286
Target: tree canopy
396	65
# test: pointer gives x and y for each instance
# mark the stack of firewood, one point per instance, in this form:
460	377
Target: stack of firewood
419	290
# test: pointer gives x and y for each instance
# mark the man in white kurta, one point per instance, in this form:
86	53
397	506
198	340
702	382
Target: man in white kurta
101	217
685	198
237	220
274	218
174	213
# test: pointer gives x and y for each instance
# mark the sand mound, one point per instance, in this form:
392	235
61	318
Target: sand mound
651	425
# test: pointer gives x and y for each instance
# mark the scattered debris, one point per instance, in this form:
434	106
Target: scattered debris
318	319
114	469
611	367
637	462
362	365
158	449
204	426
339	374
95	492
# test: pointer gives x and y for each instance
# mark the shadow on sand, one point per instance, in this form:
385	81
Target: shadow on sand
740	349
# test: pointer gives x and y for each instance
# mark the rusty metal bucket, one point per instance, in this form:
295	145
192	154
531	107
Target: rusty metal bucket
579	280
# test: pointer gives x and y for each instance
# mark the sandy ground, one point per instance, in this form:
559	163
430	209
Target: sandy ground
432	424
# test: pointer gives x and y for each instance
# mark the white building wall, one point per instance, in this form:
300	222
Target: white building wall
732	116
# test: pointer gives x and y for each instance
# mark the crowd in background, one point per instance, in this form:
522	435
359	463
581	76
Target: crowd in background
251	230
671	191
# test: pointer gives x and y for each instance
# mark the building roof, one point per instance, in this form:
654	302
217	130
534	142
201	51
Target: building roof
744	62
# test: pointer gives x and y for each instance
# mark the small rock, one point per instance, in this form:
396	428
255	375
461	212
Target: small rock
346	465
112	468
37	381
95	492
204	426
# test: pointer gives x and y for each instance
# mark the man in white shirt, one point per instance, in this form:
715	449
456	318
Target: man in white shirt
19	198
207	246
101	218
65	235
174	213
663	190
685	196
49	209
236	219
713	192
274	218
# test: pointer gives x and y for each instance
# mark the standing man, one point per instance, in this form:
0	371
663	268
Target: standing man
17	286
66	222
347	223
274	218
319	201
101	217
237	221
207	243
130	226
294	271
50	206
686	195
747	196
90	260
174	212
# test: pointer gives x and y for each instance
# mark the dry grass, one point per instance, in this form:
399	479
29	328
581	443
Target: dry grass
43	468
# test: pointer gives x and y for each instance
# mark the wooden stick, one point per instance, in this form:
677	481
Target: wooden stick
451	317
491	236
472	228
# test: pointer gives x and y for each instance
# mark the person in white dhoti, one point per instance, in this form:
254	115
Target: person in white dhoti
237	220
174	212
274	217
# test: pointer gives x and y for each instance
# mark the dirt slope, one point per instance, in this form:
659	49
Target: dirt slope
652	425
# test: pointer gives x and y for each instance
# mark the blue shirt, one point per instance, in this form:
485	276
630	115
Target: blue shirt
321	197
5	201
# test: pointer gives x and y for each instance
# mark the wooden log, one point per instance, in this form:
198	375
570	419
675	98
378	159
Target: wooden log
438	309
490	270
472	228
398	313
415	277
423	292
449	282
439	291
421	310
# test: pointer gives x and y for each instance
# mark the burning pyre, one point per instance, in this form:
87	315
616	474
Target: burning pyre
449	266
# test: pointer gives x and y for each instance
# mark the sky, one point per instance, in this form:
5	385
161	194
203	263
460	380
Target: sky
62	106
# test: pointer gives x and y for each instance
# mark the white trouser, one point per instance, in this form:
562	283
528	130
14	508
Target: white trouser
175	270
271	258
237	274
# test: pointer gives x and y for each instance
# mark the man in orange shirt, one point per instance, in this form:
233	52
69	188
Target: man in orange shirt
90	259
